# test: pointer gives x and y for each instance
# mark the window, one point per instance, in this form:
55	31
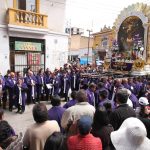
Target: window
29	5
104	42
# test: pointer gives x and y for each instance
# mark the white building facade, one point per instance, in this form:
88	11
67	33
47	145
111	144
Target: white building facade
32	34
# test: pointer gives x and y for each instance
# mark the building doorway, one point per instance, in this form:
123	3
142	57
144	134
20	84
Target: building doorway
26	53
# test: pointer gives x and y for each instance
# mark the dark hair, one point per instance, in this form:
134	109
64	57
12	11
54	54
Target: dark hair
40	113
55	101
103	94
100	118
5	130
100	85
73	94
142	112
92	85
81	96
1	113
122	96
56	141
40	70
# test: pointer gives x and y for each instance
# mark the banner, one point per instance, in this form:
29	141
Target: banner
28	46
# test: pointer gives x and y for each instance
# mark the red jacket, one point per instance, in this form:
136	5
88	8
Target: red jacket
87	142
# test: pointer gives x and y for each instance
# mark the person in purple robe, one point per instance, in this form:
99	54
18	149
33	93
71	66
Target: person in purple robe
100	87
74	80
20	93
40	85
2	91
11	85
56	83
125	83
103	96
56	112
66	85
31	81
71	102
48	76
90	94
132	86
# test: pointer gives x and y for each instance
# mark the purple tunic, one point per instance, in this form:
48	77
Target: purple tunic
55	113
91	97
70	103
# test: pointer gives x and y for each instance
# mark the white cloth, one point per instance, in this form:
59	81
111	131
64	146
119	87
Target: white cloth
64	85
20	96
94	99
53	87
1	91
42	84
33	95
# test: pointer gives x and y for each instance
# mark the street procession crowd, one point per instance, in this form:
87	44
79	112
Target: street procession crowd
101	111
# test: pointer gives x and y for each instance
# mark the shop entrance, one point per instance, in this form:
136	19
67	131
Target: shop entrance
26	53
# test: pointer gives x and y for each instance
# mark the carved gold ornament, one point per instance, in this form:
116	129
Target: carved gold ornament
139	64
106	64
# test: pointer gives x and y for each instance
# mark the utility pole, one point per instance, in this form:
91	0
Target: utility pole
88	45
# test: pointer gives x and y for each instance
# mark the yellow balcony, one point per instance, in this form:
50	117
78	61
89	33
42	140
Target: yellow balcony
26	18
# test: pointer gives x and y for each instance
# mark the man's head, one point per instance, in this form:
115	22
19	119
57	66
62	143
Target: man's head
12	74
85	125
92	87
81	96
73	94
1	114
40	113
122	96
103	94
56	101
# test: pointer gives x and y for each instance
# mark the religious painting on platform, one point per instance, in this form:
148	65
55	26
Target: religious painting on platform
131	37
129	45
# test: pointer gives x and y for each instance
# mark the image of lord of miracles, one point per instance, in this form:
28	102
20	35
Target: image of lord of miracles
130	35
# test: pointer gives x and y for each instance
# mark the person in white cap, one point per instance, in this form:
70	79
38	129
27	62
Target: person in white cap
131	136
144	114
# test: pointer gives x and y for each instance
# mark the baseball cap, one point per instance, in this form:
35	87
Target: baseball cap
85	124
143	101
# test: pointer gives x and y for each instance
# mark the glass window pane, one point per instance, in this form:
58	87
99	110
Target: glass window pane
31	5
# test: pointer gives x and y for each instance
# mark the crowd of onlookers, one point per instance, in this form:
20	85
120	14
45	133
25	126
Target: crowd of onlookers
103	113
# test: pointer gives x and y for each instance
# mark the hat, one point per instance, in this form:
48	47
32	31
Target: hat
85	124
131	136
143	101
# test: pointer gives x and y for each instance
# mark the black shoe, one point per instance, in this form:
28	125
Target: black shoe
22	111
10	109
17	111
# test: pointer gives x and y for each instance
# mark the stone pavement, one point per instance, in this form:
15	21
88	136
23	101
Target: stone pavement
20	122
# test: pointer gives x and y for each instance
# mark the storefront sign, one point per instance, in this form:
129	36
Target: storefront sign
28	46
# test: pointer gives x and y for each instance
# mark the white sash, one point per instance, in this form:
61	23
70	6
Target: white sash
64	85
42	85
1	91
20	96
53	88
94	99
32	82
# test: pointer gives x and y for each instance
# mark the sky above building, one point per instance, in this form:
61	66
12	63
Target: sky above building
94	14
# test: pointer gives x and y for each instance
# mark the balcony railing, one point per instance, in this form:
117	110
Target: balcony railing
26	18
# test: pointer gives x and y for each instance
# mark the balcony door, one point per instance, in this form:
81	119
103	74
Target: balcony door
28	5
